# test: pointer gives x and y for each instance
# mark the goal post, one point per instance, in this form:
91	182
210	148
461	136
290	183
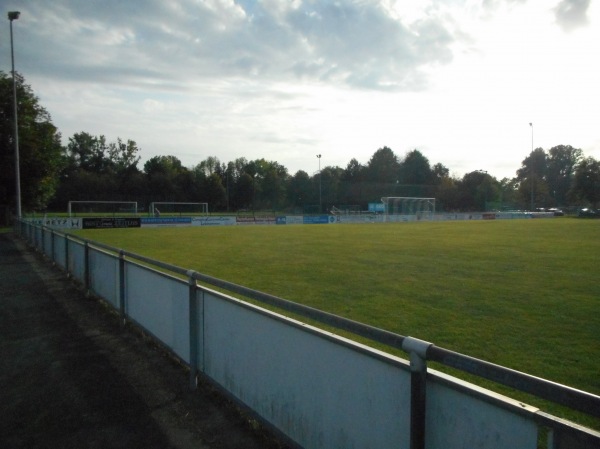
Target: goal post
158	208
421	208
111	208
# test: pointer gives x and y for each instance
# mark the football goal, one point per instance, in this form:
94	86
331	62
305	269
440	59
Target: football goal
159	208
102	208
398	206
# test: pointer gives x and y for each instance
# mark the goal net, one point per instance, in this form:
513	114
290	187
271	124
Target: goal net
158	209
402	207
102	208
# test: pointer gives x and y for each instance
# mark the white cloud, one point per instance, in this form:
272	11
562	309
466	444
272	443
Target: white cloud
287	80
572	14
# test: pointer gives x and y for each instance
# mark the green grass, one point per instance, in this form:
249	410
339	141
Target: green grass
522	293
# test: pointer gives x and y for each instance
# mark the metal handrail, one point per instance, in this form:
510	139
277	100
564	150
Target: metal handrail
554	392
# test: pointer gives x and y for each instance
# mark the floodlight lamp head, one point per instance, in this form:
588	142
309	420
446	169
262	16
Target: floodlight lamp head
13	15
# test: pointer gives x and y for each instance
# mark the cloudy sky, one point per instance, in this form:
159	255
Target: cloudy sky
285	80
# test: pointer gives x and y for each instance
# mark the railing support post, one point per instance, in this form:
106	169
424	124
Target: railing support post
122	287
418	388
67	255
193	317
86	266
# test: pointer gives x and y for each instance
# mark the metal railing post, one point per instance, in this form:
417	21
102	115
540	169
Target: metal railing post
52	246
67	255
122	287
418	389
86	266
193	317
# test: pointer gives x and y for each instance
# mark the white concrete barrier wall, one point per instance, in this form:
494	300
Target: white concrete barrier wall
104	275
76	262
459	417
59	251
319	389
160	304
47	241
324	391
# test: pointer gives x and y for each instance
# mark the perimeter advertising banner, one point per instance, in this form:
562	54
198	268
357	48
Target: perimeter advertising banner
213	221
57	223
319	219
166	221
110	223
258	219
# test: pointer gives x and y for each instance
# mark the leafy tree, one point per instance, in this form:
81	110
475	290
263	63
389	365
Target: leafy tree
353	179
440	172
476	190
97	170
210	165
170	165
87	152
383	166
214	192
123	157
562	162
274	184
299	189
532	179
245	190
448	194
415	169
508	194
165	175
329	182
354	172
586	185
40	150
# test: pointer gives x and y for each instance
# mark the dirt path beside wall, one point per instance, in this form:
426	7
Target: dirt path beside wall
72	377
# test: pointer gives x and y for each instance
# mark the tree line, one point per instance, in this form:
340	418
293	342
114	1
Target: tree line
90	168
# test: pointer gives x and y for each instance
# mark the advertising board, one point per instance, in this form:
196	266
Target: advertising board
110	222
166	221
319	219
58	223
257	219
213	221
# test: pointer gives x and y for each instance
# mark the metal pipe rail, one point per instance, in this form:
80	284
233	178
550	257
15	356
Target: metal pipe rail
419	351
554	392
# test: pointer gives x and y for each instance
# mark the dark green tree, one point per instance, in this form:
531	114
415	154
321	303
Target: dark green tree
440	172
123	156
531	177
353	188
165	175
89	153
586	184
383	167
299	190
476	190
415	169
562	162
40	150
329	182
448	194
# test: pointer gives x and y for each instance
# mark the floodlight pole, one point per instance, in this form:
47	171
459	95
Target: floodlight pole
320	202
532	160
14	15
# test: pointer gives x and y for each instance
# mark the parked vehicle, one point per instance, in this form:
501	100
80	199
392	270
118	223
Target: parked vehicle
589	213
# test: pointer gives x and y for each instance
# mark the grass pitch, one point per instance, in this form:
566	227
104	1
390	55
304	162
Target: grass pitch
521	293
